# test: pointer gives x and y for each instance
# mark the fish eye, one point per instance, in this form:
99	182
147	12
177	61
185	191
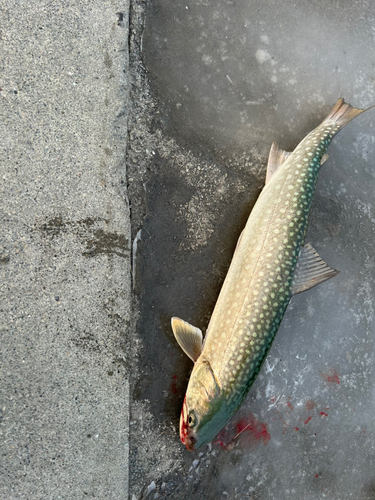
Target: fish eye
192	419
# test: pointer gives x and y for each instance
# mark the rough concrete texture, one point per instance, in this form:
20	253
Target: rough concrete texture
65	240
218	83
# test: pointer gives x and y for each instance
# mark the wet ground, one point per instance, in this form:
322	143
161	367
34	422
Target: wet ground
213	86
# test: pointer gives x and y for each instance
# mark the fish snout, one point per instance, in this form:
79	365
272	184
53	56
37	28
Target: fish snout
187	435
190	442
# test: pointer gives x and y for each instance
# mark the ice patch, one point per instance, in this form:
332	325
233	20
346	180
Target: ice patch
365	208
262	56
206	59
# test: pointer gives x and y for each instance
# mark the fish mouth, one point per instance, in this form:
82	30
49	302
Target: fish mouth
185	432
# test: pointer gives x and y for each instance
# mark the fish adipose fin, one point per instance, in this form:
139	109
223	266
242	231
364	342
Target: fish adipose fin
342	113
310	270
276	158
188	337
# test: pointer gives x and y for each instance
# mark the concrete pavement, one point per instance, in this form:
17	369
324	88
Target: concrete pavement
64	250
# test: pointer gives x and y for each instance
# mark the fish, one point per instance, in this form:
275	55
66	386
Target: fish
271	263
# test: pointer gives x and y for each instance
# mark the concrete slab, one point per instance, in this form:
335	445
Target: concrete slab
224	80
65	250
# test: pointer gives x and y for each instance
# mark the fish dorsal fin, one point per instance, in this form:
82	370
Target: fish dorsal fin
276	158
310	270
188	337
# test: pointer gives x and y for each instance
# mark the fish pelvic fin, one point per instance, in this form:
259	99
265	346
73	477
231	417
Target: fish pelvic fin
189	338
342	113
276	158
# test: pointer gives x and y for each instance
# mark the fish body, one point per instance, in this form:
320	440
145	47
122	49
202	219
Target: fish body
269	265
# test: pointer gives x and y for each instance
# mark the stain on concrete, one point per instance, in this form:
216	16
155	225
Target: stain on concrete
56	225
107	60
88	342
97	241
107	243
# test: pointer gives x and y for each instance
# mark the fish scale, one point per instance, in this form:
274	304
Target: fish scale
269	265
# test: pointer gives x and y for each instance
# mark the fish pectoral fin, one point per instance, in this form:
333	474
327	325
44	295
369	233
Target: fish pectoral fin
189	338
310	270
276	158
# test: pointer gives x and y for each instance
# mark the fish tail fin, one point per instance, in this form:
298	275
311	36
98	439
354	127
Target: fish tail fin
342	113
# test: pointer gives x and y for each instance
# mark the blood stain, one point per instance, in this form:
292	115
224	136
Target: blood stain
307	420
310	405
323	414
331	376
296	429
173	387
251	430
289	405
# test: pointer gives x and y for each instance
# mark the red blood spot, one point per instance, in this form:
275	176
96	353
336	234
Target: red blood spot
224	440
310	404
183	424
250	430
331	375
273	399
316	475
307	420
296	429
289	405
173	387
324	414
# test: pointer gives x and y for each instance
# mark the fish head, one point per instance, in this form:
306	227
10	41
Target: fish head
203	413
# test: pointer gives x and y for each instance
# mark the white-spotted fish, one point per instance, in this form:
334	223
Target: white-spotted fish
270	264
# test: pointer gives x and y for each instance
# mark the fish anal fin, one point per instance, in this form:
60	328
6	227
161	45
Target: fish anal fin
276	158
188	337
324	159
310	270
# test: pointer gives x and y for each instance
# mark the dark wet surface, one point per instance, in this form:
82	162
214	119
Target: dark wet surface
229	78
180	282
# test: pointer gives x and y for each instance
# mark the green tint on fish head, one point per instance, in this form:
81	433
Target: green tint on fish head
202	415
